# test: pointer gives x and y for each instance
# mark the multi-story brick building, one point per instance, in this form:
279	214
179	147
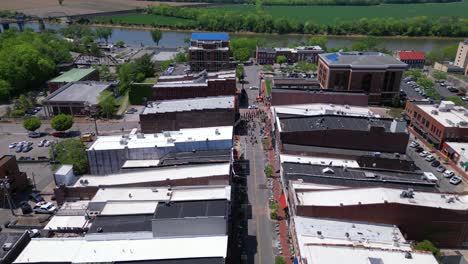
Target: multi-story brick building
171	115
438	123
17	179
303	53
209	51
414	59
374	73
199	85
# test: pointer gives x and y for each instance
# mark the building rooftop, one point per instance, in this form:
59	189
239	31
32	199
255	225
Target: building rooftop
80	250
127	208
64	169
354	177
318	109
192	104
73	75
154	175
186	209
349	163
121	223
87	91
164	55
335	254
362	60
8	238
162	140
206	156
66	221
446	113
411	55
210	36
140	194
363	196
329	231
327	121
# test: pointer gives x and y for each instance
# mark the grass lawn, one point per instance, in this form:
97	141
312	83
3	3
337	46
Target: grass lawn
331	14
143	19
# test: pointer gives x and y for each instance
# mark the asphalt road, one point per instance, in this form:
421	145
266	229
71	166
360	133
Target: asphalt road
251	79
410	92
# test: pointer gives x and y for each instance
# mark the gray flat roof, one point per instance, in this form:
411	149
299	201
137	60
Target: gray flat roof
362	60
79	92
182	105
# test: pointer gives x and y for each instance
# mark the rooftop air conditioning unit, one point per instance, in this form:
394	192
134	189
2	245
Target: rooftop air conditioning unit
7	246
434	112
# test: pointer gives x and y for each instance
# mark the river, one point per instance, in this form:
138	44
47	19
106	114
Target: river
176	39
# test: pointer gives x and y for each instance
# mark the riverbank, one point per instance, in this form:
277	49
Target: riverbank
263	35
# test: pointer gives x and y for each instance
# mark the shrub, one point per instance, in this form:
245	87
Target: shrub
32	123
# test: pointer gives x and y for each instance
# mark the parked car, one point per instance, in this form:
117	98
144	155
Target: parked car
424	154
36	197
25	207
44	208
253	88
26	148
12	145
448	173
414	144
88	137
453	90
131	110
34	134
430	158
419	149
19	148
59	134
41	143
47	143
455	180
440	168
435	163
417	90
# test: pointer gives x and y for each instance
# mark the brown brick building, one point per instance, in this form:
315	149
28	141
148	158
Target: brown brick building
9	168
73	75
438	217
209	51
304	53
438	123
171	115
200	85
376	74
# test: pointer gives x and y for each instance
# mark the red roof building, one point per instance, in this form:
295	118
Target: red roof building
414	59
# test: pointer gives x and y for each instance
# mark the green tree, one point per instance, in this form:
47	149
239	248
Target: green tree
104	72
457	100
5	90
17	113
427	245
415	73
181	57
365	44
318	41
281	59
145	66
240	73
24	102
120	43
307	67
106	103
425	82
156	35
94	50
32	123
126	73
439	75
268	170
187	40
280	260
70	151
258	6
241	54
104	33
62	122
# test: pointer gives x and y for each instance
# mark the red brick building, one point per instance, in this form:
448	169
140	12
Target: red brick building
172	115
438	123
191	86
209	51
375	74
439	217
414	59
9	169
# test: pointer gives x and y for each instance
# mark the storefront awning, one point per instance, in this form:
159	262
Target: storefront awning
283	202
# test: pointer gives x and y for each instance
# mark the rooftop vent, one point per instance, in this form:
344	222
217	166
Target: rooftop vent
140	135
7	246
217	132
408	255
434	112
328	170
407	194
451	200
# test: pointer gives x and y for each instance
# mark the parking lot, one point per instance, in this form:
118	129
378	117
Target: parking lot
444	185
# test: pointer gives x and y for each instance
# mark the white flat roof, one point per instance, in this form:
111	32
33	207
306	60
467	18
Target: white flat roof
191	104
318	160
322	109
460	147
166	139
66	221
140	163
64	169
449	119
348	233
331	254
129	208
159	174
379	196
138	194
79	250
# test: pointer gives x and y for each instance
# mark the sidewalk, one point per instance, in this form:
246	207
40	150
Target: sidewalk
277	189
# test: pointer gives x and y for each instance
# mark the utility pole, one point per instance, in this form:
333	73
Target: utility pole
5	186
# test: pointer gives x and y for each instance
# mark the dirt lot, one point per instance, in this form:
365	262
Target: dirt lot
46	8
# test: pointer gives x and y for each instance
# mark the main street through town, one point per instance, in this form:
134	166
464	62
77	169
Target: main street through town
262	239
